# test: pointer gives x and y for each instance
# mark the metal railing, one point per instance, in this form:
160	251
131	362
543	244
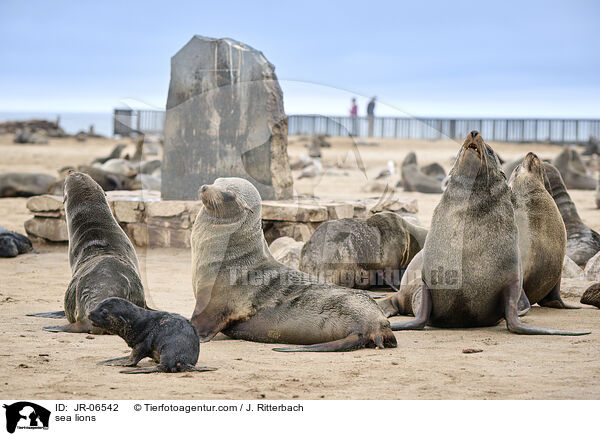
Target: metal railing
131	121
500	130
128	122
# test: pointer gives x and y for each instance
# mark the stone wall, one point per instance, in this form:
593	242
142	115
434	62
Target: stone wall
149	221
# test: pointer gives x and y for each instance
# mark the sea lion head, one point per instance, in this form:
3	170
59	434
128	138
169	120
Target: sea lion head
476	157
410	159
113	314
231	199
80	189
8	247
529	172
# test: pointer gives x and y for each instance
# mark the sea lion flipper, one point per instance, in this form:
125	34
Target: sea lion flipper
514	324
199	368
77	327
118	361
389	305
350	342
422	315
147	370
524	304
553	299
57	314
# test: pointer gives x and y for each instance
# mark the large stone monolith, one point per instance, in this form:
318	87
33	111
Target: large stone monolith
225	118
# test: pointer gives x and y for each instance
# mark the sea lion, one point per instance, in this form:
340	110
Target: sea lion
122	167
107	181
542	234
102	259
403	302
413	179
471	274
591	295
142	181
148	166
244	292
167	338
408	298
362	253
434	170
582	241
12	244
114	154
25	184
287	251
573	171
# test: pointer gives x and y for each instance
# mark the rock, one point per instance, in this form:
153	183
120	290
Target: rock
45	203
38	138
287	251
377	186
283	211
592	268
370	206
165	208
573	288
298	231
27	136
339	210
147	235
51	229
128	211
571	270
224	118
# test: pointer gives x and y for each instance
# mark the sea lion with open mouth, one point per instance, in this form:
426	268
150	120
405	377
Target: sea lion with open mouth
472	274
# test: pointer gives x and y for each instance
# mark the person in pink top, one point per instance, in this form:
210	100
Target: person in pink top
354	118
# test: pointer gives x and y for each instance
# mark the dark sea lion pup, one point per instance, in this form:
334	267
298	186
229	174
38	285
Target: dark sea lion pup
471	273
103	261
244	292
167	338
12	244
542	234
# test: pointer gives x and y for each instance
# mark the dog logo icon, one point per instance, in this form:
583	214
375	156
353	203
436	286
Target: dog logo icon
26	415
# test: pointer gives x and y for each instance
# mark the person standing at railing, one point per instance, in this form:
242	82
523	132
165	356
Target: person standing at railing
371	115
354	118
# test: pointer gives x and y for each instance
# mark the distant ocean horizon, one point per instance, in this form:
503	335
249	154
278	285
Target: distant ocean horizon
71	122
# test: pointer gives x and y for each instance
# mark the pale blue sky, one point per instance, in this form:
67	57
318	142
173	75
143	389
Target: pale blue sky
448	58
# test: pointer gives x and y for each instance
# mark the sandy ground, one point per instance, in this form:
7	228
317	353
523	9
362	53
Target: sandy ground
426	365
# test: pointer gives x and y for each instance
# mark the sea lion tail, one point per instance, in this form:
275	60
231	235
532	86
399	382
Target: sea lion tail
58	314
350	342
